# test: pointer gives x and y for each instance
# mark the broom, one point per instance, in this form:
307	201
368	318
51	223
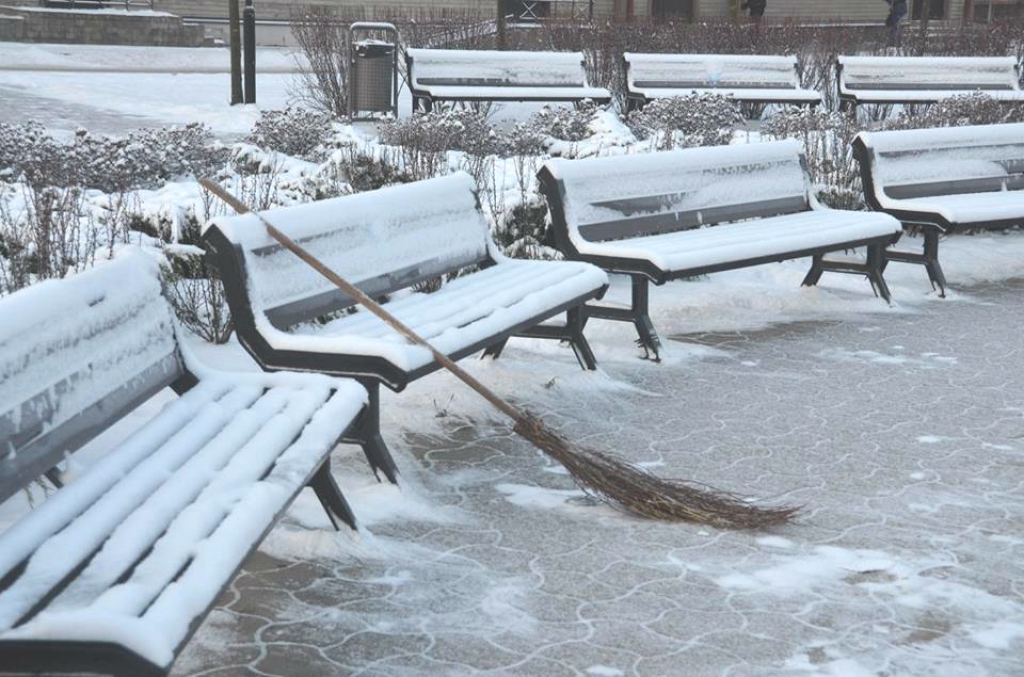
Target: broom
621	484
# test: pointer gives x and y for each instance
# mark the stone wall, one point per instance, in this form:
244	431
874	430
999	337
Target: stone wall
97	27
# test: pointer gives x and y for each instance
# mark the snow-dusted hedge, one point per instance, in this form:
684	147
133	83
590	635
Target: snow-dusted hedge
686	121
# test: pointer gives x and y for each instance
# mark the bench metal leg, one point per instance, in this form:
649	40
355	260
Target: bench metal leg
814	274
642	319
571	332
872	268
331	498
637	313
367	435
876	265
929	258
494	351
576	320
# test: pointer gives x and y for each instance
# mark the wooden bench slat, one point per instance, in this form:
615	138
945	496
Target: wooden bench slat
49	518
60	554
188	506
68	371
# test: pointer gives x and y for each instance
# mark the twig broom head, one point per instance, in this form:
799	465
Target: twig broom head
639	492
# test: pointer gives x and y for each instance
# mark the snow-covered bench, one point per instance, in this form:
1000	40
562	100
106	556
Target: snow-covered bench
925	79
648	216
386	242
482	75
114	572
944	180
746	78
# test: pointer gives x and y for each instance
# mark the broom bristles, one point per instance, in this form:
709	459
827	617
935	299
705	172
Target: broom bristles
639	492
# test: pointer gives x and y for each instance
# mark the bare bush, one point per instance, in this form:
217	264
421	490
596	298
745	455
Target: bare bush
323	39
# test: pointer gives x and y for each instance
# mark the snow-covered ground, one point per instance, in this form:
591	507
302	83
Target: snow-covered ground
898	428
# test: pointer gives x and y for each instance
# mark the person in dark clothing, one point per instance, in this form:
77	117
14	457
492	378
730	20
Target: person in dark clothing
897	10
756	7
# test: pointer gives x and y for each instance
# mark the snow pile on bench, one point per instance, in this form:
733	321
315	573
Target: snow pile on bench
64	347
966	174
741	76
613	188
488	74
926	78
401	229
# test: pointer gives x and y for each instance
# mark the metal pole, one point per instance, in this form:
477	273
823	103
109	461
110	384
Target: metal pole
249	38
235	38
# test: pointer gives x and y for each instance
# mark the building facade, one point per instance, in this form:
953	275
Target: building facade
863	11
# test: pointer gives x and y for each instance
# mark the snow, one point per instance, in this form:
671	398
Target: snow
927	78
64	347
749	78
430	225
200	482
909	157
524	69
119	58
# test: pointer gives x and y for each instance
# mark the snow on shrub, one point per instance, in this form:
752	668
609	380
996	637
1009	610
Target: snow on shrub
423	141
959	111
826	136
686	121
142	159
565	124
299	132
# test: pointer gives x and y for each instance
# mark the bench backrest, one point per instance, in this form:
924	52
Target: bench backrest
952	160
927	73
486	68
619	197
671	71
381	241
75	356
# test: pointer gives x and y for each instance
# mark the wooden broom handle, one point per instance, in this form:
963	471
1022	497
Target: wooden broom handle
366	301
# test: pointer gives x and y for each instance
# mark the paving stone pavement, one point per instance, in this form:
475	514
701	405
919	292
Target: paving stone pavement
901	433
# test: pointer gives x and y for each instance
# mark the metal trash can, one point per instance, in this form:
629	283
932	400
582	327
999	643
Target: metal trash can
374	78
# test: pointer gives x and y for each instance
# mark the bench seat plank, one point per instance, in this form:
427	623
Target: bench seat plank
460	314
733	244
968	210
150	553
